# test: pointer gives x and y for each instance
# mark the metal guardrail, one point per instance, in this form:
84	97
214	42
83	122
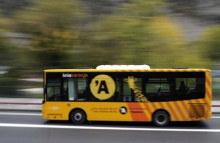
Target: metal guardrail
21	103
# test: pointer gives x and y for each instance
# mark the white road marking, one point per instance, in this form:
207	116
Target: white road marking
97	128
105	128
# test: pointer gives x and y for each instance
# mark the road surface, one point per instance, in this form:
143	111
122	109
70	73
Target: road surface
29	127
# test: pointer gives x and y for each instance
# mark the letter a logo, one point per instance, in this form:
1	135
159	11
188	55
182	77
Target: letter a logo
102	87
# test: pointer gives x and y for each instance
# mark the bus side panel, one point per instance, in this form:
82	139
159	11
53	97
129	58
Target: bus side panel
178	110
55	111
107	111
189	110
95	111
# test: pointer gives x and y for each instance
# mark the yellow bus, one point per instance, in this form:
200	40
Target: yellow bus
139	95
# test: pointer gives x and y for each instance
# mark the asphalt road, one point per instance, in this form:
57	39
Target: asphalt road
27	127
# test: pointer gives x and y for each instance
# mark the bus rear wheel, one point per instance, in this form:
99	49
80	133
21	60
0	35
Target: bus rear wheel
78	116
161	118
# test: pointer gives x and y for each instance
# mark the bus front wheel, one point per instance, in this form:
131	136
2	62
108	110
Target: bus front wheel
78	116
161	118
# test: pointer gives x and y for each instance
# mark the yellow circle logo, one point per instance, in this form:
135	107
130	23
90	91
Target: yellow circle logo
102	87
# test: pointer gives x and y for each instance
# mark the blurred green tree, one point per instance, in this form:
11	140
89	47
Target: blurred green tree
53	27
7	60
4	47
210	43
139	33
11	55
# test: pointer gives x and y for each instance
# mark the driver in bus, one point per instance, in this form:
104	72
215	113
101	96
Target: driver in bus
183	87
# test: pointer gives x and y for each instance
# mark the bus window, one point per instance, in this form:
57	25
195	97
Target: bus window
185	85
126	91
65	88
53	89
77	89
82	88
72	89
123	91
190	87
158	89
118	93
200	85
138	89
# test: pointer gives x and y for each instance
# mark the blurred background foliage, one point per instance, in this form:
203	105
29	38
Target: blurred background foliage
211	44
43	34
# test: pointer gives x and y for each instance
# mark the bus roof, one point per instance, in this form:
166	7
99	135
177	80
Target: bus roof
126	70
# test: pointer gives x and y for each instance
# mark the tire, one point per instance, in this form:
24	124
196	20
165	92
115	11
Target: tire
161	118
78	116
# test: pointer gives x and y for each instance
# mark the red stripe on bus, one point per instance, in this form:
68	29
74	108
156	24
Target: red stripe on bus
193	108
208	98
172	111
148	108
180	110
154	106
137	112
184	104
208	82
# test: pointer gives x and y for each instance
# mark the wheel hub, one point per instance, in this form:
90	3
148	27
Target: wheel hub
78	116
